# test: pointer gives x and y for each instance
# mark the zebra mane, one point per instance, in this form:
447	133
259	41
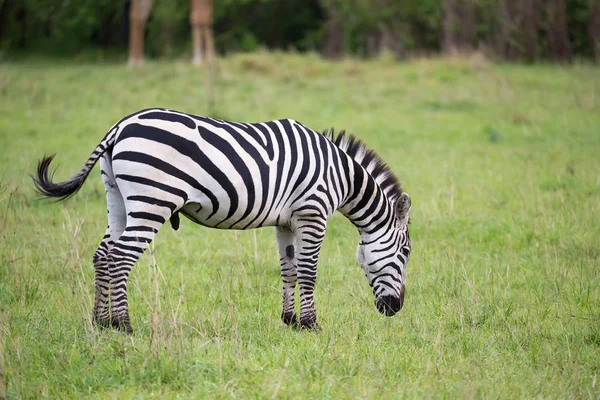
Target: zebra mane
370	160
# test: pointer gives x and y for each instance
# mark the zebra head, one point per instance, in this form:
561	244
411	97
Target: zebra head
383	257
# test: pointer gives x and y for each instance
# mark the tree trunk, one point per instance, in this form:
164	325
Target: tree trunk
519	26
449	45
391	39
559	47
460	27
529	14
594	28
468	25
138	16
501	29
508	30
334	36
374	42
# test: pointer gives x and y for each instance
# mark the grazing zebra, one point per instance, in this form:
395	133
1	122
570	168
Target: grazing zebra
157	164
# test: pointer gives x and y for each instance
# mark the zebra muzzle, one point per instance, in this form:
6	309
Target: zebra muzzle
390	305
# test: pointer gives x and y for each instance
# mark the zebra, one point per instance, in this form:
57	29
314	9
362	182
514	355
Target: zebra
157	164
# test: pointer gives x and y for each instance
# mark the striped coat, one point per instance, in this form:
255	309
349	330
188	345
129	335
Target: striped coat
159	164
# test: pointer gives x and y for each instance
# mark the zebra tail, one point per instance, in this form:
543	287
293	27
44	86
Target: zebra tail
63	190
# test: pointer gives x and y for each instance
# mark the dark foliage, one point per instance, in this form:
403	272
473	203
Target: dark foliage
506	29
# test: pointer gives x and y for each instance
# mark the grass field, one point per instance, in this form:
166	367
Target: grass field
503	166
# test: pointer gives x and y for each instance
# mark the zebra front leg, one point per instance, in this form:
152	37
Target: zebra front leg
308	238
288	261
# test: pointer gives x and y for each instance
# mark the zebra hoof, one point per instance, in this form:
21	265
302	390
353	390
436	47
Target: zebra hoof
310	323
289	318
100	323
122	324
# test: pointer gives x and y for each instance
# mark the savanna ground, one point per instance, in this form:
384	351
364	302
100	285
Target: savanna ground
501	161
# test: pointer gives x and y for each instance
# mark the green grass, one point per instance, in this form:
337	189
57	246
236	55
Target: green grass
503	166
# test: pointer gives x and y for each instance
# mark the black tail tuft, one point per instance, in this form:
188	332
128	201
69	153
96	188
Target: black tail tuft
61	191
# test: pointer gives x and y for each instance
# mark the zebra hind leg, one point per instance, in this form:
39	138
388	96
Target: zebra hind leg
116	224
288	261
143	222
100	313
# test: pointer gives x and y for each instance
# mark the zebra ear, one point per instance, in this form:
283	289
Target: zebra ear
403	207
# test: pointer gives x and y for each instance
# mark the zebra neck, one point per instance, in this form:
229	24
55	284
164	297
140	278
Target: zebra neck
367	205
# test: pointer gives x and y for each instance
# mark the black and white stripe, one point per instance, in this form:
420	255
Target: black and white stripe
158	164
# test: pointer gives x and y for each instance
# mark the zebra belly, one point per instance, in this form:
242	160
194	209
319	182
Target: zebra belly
199	214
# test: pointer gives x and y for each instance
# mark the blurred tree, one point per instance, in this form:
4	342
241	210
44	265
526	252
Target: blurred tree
527	20
283	24
450	25
366	27
505	29
167	28
594	28
514	33
65	27
334	34
558	45
460	26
